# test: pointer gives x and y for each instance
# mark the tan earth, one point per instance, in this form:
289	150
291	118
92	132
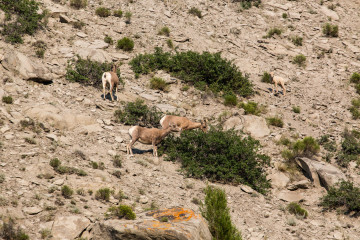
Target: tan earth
77	120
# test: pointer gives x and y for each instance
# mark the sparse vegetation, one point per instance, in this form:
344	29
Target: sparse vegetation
118	13
197	69
102	12
40	48
273	31
9	232
350	148
252	108
216	212
128	16
78	24
170	43
125	44
45	233
66	191
306	147
354	109
330	30
296	209
297	41
164	31
7	99
108	40
56	164
230	100
2	178
195	11
296	109
300	60
159	84
344	196
266	78
275	121
87	72
355	78
117	161
30	140
284	15
78	3
103	194
219	156
138	113
122	211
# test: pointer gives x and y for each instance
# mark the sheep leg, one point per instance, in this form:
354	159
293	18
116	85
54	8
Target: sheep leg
104	87
284	89
129	147
276	87
111	91
116	91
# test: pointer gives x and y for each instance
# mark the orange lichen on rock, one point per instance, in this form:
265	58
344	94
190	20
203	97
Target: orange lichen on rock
174	214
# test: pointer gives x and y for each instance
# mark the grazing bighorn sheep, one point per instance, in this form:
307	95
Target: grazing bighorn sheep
113	80
148	136
278	80
182	123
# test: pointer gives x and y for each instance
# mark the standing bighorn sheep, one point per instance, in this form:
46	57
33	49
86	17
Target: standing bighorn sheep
113	80
278	80
182	123
148	136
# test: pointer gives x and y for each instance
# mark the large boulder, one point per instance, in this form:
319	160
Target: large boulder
28	69
181	224
97	55
256	126
69	227
329	13
234	122
321	173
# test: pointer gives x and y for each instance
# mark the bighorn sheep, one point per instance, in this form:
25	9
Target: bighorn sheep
182	123
278	80
148	136
113	80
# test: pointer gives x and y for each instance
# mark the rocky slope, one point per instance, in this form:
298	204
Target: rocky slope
79	127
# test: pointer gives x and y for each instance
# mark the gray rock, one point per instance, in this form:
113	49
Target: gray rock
149	97
81	34
303	184
165	76
182	224
99	44
52	137
290	196
234	122
28	69
329	13
143	199
69	227
278	179
94	54
64	19
55	10
247	189
32	210
255	126
321	173
119	56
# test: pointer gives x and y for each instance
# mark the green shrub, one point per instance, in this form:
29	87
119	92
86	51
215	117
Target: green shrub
7	99
88	72
297	40
103	194
2	178
122	211
195	11
8	231
198	69
30	140
216	212
354	109
109	40
296	209
219	156
296	109
117	161
327	144
125	44
230	100
300	60
306	147
284	15
118	13
138	113
170	43
158	83
94	165
40	48
272	32
330	30
355	78
357	87
164	31
78	24
350	148
266	78
343	195
56	164
102	12
22	18
78	3
66	191
128	16
275	121
251	108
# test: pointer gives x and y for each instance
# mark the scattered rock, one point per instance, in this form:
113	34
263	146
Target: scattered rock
303	184
279	180
97	55
143	199
32	210
234	122
69	227
52	136
255	126
290	196
329	13
247	189
64	18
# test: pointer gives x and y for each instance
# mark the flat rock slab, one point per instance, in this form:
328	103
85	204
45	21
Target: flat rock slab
256	126
32	210
279	179
182	224
69	227
290	196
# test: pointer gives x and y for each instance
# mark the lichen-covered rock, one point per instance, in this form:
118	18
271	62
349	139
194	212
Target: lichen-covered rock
168	224
69	227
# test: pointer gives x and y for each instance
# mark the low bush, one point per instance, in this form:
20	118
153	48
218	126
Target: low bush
297	40
344	195
170	43
220	156
56	164
7	99
273	31
118	13
330	30
128	16
87	72
138	113
164	31
275	121
125	44
66	191
103	194
357	87
296	209
108	40
306	147
355	78
40	48
195	11
159	84
122	211
251	108
78	24
230	100
354	109
9	232
266	78
350	148
32	125
102	12
197	69
300	60
117	162
216	212
284	15
78	3
327	143
296	109
21	18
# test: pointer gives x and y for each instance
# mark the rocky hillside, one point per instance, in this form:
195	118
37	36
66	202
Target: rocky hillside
51	117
